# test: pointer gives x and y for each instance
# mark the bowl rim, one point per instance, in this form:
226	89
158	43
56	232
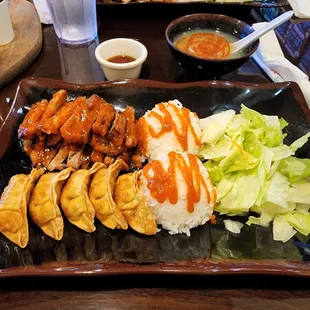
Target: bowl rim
121	66
222	60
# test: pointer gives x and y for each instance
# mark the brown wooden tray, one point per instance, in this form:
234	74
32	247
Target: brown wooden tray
16	56
210	249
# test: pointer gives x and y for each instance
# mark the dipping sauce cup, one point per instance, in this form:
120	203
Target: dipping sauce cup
121	47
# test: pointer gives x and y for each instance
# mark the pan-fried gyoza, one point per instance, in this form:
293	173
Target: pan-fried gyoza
13	207
101	195
132	203
75	202
44	204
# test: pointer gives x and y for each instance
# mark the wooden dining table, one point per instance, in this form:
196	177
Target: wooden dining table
77	64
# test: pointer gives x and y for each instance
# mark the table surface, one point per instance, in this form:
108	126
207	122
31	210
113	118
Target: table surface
78	65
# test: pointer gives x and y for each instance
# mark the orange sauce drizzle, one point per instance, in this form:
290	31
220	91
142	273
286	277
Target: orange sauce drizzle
163	183
213	219
168	125
204	45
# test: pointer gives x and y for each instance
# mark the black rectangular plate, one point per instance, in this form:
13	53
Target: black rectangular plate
209	249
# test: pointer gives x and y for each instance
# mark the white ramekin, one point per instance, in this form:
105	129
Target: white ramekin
121	46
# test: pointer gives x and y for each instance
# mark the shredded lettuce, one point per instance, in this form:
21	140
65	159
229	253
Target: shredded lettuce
215	171
295	169
300	142
242	195
263	220
300	192
301	222
233	226
276	191
254	171
215	126
282	230
302	208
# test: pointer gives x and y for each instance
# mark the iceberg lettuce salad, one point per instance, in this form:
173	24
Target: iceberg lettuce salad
254	172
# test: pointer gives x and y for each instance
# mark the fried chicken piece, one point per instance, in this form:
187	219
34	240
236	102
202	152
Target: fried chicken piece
84	114
58	161
40	155
103	145
28	128
131	136
54	104
59	98
109	160
136	161
104	119
125	157
95	104
75	156
77	128
53	139
96	157
27	146
118	129
53	124
85	162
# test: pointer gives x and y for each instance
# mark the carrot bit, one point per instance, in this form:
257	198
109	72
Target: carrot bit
213	219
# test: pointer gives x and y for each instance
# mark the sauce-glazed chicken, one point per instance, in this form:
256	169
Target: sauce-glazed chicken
57	134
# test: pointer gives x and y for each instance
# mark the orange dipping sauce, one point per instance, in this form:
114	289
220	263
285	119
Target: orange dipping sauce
207	45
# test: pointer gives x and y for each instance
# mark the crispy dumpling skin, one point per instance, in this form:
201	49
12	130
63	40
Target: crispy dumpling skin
101	195
75	201
44	204
130	199
13	207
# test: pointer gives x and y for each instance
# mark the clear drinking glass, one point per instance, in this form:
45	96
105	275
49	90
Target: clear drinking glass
75	21
79	64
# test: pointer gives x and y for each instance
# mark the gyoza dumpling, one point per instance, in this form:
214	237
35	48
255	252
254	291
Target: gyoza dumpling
13	207
131	201
43	206
75	201
101	195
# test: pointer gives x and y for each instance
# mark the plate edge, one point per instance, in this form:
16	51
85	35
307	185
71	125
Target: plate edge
209	267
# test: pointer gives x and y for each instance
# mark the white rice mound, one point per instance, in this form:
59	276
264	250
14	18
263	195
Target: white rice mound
175	217
168	141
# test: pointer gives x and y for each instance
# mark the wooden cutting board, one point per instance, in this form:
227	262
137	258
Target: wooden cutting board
16	56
